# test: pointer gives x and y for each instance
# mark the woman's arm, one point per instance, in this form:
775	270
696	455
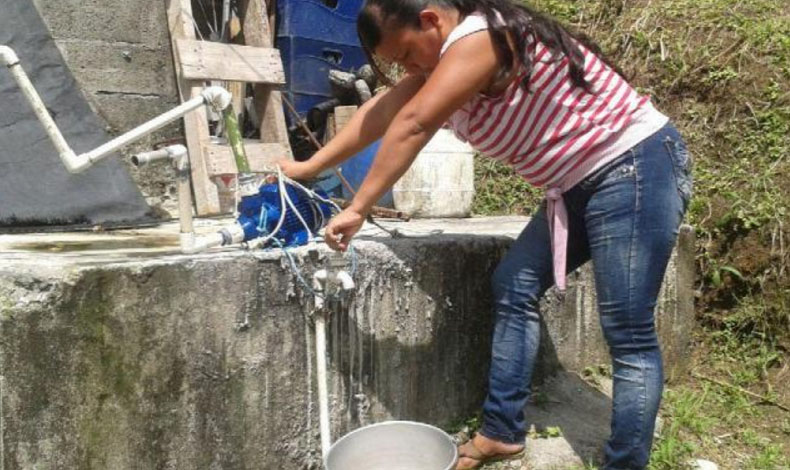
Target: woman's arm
366	126
467	68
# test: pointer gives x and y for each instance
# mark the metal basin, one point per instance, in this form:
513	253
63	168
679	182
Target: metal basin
393	445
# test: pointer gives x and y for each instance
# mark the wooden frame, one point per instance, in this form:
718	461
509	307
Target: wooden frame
197	62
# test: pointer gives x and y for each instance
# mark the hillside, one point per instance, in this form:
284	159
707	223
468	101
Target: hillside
721	70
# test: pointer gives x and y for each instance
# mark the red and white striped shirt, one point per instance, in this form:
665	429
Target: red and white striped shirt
555	133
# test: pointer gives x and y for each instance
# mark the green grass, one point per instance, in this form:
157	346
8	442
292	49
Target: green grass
723	423
721	70
499	191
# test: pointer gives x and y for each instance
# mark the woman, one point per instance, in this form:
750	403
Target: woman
523	90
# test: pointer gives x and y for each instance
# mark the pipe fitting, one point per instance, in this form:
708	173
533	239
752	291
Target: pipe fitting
180	156
176	153
145	158
229	235
248	184
8	57
217	97
319	282
202	243
187	242
346	281
323	278
74	163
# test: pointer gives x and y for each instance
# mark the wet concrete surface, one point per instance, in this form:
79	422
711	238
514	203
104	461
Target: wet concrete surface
118	351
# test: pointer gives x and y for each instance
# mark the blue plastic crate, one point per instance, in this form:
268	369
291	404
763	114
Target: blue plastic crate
314	37
307	63
326	20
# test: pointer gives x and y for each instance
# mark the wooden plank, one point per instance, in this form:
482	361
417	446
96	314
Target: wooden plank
237	90
204	60
272	14
261	156
179	16
268	102
343	114
269	105
255	26
330	128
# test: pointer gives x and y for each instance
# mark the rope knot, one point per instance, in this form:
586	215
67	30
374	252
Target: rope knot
554	194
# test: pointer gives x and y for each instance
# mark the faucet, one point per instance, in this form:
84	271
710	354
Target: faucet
332	280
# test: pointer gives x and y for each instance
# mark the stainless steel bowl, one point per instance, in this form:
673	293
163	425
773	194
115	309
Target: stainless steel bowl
393	445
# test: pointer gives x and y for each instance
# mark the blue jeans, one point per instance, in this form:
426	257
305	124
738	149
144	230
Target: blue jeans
625	217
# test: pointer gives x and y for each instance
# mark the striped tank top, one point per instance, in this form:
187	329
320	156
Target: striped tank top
554	134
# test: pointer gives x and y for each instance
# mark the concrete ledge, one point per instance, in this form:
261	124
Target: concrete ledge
118	352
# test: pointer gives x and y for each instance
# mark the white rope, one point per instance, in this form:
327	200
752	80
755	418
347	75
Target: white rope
283	190
258	242
313	194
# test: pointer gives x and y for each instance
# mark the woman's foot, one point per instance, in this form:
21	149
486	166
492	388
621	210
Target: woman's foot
480	450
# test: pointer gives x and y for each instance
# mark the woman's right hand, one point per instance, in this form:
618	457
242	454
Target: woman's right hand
298	170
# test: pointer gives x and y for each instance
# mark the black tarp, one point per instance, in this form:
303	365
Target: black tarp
35	188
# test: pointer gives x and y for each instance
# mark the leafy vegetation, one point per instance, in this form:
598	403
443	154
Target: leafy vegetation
721	70
725	423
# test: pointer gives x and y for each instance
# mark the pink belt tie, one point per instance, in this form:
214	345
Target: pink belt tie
558	229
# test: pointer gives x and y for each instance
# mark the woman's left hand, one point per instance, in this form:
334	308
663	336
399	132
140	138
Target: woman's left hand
342	227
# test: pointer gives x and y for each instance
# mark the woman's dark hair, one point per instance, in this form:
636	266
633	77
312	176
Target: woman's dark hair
505	18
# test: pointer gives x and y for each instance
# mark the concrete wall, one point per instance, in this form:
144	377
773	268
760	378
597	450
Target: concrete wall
119	52
136	357
576	338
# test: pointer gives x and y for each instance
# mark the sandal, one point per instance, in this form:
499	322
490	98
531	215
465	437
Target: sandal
472	452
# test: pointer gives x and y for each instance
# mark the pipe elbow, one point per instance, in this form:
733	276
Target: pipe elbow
217	97
176	151
180	157
200	244
187	242
346	281
7	56
319	279
75	163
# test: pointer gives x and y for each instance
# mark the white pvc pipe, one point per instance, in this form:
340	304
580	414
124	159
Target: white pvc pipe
24	83
217	97
346	281
203	243
8	56
320	280
231	234
146	158
180	157
319	283
88	159
323	391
